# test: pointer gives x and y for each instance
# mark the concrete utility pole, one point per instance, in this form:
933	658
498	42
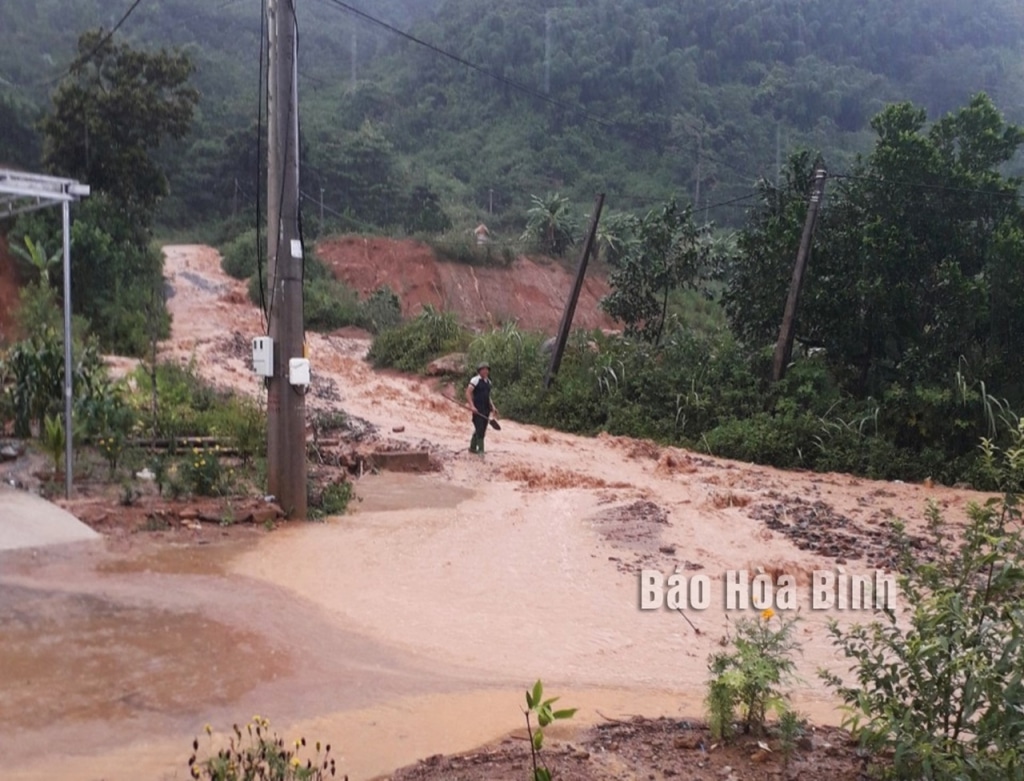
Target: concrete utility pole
784	346
286	404
570	305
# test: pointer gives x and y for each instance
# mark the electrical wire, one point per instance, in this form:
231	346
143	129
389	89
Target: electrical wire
730	202
924	186
81	60
259	168
472	65
519	86
290	118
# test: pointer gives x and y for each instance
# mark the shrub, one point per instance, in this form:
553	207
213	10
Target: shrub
749	679
265	756
942	688
186	405
381	311
240	256
333	499
410	346
463	248
108	420
330	304
35	371
201	472
244	423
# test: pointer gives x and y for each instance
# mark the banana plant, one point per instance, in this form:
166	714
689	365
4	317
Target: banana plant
35	255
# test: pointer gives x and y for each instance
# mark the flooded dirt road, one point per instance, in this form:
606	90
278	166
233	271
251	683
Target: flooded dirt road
411	626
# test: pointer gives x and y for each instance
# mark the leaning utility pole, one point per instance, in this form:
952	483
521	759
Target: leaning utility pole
784	346
570	304
286	403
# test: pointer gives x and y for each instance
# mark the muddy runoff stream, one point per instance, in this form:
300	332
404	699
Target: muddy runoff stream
408	628
412	625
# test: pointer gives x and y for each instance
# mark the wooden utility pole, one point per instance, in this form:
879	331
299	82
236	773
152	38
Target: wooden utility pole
784	346
570	305
286	403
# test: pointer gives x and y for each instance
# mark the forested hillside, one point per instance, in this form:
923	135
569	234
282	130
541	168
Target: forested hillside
640	99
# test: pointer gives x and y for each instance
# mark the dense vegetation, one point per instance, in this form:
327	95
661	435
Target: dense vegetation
907	331
639	99
913	294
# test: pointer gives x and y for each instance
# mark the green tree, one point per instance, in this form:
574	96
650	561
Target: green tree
757	281
109	116
662	251
115	107
913	263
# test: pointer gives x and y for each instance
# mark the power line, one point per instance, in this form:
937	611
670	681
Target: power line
730	202
473	66
259	167
80	61
572	109
924	186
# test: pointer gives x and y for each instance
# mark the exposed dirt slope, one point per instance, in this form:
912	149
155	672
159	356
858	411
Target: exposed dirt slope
530	292
8	291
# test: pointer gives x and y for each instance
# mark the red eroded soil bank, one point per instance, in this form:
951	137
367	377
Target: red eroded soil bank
530	292
8	292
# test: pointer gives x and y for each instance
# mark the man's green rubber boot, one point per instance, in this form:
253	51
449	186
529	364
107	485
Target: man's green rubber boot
474	444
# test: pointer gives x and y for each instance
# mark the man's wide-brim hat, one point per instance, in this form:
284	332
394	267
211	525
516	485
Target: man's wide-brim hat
483	365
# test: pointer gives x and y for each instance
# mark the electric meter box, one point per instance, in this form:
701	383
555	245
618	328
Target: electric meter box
298	371
263	356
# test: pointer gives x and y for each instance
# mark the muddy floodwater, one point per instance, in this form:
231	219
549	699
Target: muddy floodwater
409	627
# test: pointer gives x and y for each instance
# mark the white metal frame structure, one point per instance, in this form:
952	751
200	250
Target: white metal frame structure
20	193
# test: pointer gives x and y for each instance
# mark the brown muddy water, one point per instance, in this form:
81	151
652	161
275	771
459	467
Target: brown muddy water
407	628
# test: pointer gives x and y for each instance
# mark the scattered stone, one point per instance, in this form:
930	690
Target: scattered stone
689	741
817	527
11	450
453	363
267	514
189	514
636	527
398	429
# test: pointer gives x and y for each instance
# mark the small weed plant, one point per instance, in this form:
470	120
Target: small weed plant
261	754
542	709
941	687
747	682
790	729
333	499
202	473
53	437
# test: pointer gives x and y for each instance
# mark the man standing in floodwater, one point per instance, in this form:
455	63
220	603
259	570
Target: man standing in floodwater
478	399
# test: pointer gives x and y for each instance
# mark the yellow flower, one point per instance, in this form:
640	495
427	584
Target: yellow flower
296	761
767	614
209	729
